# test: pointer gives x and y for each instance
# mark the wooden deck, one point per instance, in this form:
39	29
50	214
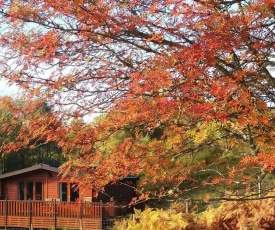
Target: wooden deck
54	215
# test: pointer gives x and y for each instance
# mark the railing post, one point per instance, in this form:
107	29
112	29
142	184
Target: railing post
100	211
54	214
6	213
80	214
30	214
113	209
187	206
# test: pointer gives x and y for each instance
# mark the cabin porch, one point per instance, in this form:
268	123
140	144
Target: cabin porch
55	215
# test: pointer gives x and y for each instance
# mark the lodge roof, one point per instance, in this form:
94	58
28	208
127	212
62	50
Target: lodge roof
30	169
45	167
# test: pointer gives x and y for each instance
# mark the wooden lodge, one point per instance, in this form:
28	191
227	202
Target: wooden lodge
37	197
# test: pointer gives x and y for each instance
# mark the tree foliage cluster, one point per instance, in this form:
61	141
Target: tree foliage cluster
187	84
22	155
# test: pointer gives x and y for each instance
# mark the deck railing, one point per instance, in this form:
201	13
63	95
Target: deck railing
49	208
55	214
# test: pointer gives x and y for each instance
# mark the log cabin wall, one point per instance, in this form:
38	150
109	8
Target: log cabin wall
42	182
50	186
11	185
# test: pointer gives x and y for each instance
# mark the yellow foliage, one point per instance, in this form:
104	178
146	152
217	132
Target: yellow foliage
245	215
237	215
160	219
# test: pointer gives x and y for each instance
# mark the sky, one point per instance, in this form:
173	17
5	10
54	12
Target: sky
6	90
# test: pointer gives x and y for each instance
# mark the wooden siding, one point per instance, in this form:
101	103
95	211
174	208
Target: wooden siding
121	192
50	185
11	190
11	184
85	192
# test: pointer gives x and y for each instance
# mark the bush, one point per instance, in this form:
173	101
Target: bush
245	215
160	219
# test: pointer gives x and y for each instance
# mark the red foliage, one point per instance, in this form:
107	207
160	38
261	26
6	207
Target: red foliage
197	71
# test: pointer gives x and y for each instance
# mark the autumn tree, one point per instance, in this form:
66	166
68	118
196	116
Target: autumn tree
195	76
17	131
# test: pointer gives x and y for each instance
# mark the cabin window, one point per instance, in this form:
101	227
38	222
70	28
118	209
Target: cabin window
63	191
38	190
21	191
30	190
74	192
68	192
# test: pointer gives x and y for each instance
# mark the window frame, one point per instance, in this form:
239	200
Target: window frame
23	194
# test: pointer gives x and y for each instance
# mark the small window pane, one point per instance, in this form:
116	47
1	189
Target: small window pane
38	190
74	192
30	190
21	191
63	192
